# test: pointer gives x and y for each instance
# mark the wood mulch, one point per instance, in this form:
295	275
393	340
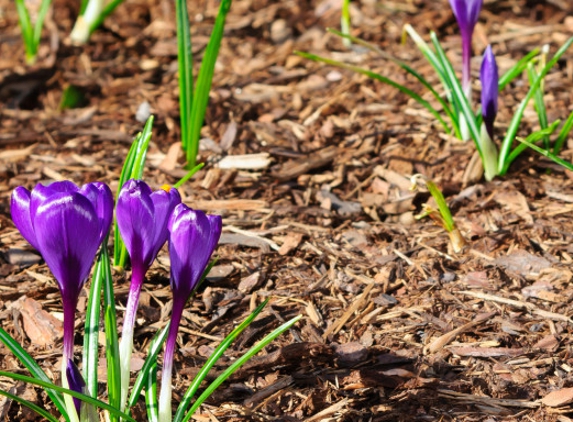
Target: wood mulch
319	217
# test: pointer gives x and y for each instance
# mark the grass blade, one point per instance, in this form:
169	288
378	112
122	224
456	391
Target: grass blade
516	69
34	369
539	103
151	394
154	348
449	224
107	10
48	385
238	363
185	63
514	125
382	79
563	133
44	7
546	153
111	336
29	405
204	81
91	331
27	32
224	345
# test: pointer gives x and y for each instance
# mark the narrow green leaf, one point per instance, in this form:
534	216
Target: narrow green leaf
458	95
185	64
532	138
151	394
189	175
215	356
154	348
539	103
445	106
563	133
48	385
238	363
546	153
27	31
516	69
382	79
111	337
514	125
34	369
46	415
44	7
204	81
107	10
445	212
91	331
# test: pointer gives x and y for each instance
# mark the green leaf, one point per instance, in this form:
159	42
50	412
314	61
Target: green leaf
107	10
91	331
71	97
516	69
189	175
46	415
215	356
546	153
185	63
514	125
111	337
382	79
48	385
445	106
44	7
539	103
562	137
445	212
151	394
27	32
141	380
238	363
532	138
34	369
204	81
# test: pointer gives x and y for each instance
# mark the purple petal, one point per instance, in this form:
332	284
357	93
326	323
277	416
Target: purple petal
467	14
193	238
136	221
67	231
75	382
42	192
164	201
489	89
100	196
20	210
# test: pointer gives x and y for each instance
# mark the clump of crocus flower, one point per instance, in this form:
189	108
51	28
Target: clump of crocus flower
193	236
142	217
489	92
66	224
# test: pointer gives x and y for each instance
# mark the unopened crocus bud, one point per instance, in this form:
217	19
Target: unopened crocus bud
489	89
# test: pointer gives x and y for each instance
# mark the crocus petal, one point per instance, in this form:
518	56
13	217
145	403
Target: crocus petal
20	210
489	89
193	237
466	13
42	192
136	220
67	231
75	382
100	196
164	201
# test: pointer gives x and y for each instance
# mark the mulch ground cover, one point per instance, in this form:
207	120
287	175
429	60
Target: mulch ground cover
396	326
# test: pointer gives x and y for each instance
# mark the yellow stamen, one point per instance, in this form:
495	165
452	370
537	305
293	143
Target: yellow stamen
166	188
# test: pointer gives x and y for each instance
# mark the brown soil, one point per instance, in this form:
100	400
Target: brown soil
396	327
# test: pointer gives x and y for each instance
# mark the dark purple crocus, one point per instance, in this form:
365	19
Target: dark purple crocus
76	382
489	89
193	236
66	224
466	13
142	217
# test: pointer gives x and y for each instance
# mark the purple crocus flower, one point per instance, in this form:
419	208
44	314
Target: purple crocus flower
489	89
193	236
76	382
66	224
466	13
142	217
